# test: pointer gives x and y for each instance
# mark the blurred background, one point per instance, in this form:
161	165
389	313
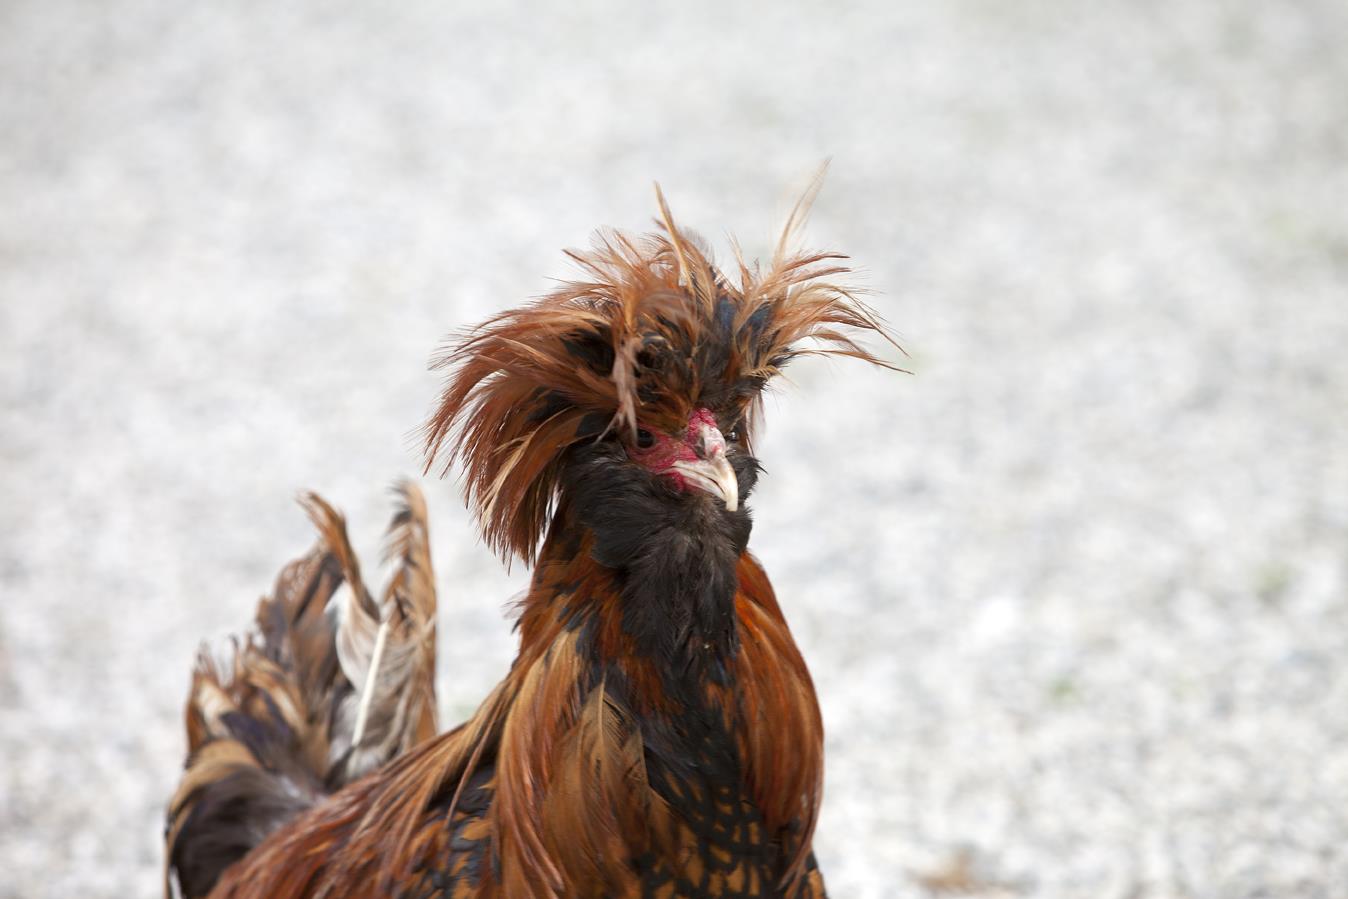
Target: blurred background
1074	594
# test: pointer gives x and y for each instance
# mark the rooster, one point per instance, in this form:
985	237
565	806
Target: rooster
658	733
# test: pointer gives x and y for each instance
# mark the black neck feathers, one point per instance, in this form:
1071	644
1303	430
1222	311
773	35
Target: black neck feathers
673	554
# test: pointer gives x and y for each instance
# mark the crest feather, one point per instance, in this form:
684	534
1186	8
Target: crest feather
652	330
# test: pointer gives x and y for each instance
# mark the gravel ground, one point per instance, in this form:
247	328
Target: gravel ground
1074	594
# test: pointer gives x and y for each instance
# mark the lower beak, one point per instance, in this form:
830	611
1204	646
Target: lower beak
713	475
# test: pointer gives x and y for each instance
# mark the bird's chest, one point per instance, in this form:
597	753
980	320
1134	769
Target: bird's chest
712	834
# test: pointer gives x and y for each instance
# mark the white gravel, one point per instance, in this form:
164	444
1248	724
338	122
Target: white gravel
1073	595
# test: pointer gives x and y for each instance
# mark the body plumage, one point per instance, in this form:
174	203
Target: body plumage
658	733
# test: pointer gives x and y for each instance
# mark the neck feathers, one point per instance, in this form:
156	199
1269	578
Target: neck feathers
678	633
670	560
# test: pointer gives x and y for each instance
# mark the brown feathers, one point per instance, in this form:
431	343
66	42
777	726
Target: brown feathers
657	734
572	804
275	732
650	331
781	728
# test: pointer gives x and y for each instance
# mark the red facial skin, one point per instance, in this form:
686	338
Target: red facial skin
695	443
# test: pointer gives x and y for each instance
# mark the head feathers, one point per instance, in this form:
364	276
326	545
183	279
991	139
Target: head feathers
651	331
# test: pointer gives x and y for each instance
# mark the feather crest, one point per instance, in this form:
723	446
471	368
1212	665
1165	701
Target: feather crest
651	330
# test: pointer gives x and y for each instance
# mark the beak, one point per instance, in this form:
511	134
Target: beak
712	472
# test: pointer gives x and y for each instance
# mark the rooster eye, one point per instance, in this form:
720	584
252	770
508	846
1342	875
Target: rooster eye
733	435
644	439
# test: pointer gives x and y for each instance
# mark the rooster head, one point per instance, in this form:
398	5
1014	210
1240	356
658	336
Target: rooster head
653	353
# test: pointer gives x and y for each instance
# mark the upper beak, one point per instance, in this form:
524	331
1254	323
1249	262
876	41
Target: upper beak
711	471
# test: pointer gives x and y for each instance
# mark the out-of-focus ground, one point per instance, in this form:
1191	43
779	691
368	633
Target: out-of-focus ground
1075	595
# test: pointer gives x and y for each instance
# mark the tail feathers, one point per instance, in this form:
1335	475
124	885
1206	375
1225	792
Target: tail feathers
312	700
246	773
389	654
